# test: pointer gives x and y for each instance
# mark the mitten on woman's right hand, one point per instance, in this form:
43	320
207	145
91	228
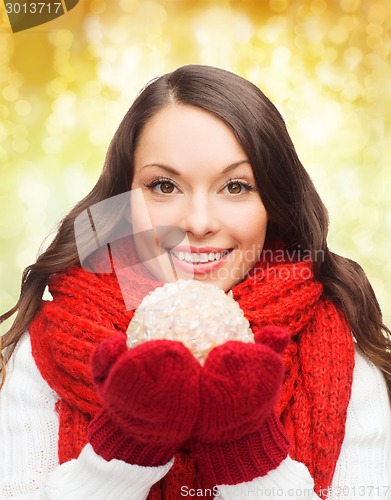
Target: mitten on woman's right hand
150	397
238	437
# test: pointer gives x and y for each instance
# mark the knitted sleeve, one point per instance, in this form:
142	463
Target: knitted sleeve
29	468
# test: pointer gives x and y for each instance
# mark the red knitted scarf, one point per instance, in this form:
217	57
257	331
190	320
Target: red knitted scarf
88	308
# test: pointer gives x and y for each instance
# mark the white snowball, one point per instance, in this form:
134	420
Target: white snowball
199	315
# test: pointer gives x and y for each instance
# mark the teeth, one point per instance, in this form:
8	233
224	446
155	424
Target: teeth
199	257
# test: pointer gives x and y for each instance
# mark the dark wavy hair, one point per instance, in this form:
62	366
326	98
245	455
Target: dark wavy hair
296	214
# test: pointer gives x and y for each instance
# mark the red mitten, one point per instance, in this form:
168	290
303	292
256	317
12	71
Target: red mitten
150	400
238	436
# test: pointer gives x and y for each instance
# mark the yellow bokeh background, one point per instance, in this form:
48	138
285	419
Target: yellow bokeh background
65	85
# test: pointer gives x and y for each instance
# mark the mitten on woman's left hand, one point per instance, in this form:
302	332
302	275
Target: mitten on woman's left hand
238	437
150	396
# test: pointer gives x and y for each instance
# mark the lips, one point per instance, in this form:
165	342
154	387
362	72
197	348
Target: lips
199	260
199	257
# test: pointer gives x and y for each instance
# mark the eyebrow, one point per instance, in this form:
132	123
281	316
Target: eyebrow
175	172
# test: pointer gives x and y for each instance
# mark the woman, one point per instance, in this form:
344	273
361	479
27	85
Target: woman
207	155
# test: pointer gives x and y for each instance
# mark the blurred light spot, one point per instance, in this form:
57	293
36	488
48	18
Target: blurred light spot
329	54
10	93
362	239
275	27
113	109
373	216
3	157
97	136
349	22
98	6
75	182
324	70
373	41
129	5
16	79
338	34
371	60
374	29
118	34
318	7
349	5
352	57
61	37
312	30
55	87
93	88
25	256
35	218
64	110
377	12
4	112
20	145
214	42
351	91
117	68
243	30
347	179
281	57
19	132
3	132
51	145
93	29
23	107
32	192
8	301
9	228
278	5
325	120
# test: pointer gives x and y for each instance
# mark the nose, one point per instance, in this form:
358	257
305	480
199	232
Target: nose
200	217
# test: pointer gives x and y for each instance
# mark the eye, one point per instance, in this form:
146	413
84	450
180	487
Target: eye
234	187
237	187
166	186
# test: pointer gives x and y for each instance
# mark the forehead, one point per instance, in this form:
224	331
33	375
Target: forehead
186	134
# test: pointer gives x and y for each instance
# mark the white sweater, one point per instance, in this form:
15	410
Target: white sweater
29	466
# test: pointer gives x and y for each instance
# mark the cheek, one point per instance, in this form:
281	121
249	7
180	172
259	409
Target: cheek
139	215
248	226
162	214
166	224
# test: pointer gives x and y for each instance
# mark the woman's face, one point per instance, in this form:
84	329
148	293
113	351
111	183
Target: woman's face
195	176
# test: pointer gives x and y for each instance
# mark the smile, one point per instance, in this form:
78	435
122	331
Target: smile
201	262
200	257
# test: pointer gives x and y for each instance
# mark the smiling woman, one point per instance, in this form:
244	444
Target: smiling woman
217	193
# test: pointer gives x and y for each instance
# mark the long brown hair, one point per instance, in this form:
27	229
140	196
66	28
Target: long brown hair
296	213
